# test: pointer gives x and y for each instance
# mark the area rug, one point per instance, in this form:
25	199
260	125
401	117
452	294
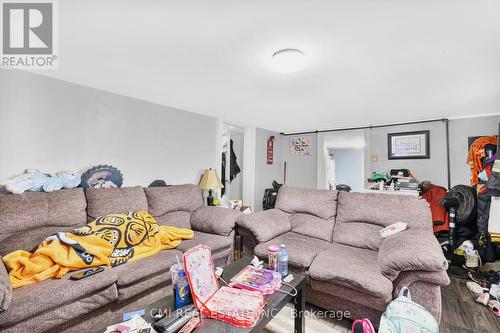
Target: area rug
315	322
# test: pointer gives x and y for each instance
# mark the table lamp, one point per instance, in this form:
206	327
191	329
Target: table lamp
209	181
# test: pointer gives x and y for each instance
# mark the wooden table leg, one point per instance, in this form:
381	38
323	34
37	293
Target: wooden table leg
300	304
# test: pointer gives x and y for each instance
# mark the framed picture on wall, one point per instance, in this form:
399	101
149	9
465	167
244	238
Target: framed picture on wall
409	145
300	146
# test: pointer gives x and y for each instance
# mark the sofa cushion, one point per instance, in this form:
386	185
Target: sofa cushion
27	219
163	200
102	201
216	243
351	267
140	275
361	216
53	294
265	225
71	312
216	220
351	295
179	219
322	203
301	249
5	287
313	226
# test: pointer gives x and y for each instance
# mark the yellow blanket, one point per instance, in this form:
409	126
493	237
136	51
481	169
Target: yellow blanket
110	240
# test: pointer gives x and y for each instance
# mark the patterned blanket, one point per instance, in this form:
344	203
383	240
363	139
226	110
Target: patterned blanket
109	240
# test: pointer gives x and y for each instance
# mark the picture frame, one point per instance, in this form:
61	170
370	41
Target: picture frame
409	145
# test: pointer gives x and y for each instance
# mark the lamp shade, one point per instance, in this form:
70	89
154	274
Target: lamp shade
210	180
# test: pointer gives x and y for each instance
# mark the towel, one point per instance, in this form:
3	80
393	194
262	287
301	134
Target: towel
110	240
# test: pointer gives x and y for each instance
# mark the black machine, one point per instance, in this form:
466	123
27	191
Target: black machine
270	195
451	204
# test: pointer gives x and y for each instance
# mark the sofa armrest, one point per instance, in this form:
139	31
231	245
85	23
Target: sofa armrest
214	220
410	250
265	225
5	287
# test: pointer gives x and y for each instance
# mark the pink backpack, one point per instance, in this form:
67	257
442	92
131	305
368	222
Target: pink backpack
362	326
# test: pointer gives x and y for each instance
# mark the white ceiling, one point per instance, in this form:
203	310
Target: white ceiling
369	61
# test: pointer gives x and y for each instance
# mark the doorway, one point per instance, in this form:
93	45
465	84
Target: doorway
341	160
232	152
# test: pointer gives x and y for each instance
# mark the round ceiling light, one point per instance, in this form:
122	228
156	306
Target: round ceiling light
288	60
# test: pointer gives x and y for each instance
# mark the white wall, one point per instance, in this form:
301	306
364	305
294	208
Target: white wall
301	170
433	169
53	125
266	173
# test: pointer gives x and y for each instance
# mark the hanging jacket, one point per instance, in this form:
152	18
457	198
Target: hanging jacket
439	214
476	154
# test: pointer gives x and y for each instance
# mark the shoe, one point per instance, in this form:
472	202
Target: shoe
484	298
472	259
484	279
494	307
475	287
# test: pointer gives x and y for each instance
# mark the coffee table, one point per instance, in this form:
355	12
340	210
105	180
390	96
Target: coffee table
275	302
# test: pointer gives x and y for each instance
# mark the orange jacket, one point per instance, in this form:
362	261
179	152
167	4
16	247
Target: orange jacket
476	154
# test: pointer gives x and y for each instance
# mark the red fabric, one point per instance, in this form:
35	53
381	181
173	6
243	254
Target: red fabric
439	214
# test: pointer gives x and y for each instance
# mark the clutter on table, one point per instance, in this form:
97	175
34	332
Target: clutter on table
239	307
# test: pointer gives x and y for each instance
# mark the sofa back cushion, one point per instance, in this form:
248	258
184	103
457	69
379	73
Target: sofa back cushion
312	212
361	216
27	219
102	201
320	203
173	205
310	225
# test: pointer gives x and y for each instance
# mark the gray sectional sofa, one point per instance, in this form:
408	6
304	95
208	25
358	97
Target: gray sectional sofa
333	237
62	305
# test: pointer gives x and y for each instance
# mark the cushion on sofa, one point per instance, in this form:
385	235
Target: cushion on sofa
53	294
351	267
102	201
5	287
411	250
163	200
179	219
140	275
310	225
265	225
322	203
215	220
361	216
301	249
42	214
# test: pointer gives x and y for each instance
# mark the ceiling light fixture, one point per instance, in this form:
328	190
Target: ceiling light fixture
288	60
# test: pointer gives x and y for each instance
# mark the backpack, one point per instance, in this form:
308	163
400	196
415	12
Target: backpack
362	326
405	316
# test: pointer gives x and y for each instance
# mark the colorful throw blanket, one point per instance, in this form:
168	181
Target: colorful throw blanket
110	240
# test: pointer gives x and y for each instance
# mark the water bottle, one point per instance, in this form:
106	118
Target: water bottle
283	261
182	295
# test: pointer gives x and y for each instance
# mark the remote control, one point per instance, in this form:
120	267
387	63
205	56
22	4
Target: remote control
191	325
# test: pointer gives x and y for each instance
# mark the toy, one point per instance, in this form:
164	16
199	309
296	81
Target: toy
102	176
36	181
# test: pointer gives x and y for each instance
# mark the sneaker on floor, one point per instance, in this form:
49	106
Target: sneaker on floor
494	307
472	259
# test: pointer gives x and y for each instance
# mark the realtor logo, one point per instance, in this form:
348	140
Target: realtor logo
28	32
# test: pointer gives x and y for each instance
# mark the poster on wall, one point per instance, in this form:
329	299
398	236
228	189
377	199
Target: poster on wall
408	145
270	150
300	146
